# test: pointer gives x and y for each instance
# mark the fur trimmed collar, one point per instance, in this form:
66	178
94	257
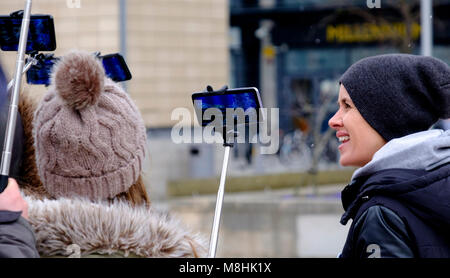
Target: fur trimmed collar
80	228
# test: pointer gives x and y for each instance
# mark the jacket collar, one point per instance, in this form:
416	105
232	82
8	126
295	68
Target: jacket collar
349	198
388	182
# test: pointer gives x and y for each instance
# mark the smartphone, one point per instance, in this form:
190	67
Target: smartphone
41	33
40	74
247	99
115	67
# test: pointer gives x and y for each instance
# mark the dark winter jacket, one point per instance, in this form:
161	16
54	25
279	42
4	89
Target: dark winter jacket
16	236
400	201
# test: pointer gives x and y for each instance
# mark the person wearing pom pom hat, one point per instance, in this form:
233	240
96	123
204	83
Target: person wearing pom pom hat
89	136
82	171
399	197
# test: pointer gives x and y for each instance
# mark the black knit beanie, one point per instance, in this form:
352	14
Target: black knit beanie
399	94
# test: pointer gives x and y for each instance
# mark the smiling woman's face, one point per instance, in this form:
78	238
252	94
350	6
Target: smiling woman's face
359	141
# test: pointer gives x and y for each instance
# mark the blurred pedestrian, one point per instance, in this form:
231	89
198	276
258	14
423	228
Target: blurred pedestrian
16	235
399	198
17	153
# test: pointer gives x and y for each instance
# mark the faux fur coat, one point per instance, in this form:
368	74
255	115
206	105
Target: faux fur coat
83	228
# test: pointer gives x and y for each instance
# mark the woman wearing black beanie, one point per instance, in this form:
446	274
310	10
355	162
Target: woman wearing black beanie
399	198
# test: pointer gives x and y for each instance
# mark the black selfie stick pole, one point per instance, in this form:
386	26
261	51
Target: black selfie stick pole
12	115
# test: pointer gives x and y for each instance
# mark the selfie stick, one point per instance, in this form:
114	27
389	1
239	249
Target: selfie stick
219	202
221	191
12	115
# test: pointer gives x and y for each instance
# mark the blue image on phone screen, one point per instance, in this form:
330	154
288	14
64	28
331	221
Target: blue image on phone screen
40	34
40	74
115	68
243	100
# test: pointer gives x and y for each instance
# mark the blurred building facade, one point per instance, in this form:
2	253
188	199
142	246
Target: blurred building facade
307	44
172	47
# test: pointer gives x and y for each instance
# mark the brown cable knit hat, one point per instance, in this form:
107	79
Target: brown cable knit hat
89	136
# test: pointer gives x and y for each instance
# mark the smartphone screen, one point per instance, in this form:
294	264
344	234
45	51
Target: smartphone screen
40	74
115	67
247	99
41	33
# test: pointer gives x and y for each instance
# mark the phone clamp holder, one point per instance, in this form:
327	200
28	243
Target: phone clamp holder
32	60
17	14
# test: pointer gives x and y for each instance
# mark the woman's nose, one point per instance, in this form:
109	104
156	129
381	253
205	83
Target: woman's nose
335	121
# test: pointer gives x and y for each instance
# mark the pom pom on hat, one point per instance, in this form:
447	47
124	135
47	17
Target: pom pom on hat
79	79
